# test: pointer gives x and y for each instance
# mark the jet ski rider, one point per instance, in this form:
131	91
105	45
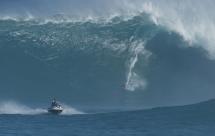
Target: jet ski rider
54	103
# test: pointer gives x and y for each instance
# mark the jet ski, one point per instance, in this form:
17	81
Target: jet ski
55	107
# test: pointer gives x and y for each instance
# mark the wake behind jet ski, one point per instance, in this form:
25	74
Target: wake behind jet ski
55	107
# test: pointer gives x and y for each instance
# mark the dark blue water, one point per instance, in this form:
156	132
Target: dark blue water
192	120
96	66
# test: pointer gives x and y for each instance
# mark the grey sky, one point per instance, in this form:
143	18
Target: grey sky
50	7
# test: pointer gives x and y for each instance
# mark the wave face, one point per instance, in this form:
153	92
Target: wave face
139	60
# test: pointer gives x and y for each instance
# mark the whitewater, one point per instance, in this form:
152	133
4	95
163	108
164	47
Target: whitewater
13	108
119	67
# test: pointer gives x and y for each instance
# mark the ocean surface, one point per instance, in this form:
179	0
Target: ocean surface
111	64
191	120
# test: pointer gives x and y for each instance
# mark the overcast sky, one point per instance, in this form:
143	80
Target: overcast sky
50	7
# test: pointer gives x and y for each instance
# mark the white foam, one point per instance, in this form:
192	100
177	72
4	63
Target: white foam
11	107
68	110
134	81
194	21
17	108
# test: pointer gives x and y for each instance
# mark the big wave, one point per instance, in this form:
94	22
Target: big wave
144	55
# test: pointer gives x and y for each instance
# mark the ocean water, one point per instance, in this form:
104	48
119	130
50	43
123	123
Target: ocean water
111	64
192	120
116	64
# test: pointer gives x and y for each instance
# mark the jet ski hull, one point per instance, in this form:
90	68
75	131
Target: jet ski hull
55	108
54	111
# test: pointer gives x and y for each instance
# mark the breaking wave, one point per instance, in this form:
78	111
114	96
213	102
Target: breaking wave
145	54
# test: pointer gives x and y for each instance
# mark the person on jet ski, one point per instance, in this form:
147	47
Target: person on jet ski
54	103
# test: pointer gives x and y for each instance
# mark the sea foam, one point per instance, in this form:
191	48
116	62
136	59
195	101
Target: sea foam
11	107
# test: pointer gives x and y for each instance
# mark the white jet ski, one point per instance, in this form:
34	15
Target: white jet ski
55	107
